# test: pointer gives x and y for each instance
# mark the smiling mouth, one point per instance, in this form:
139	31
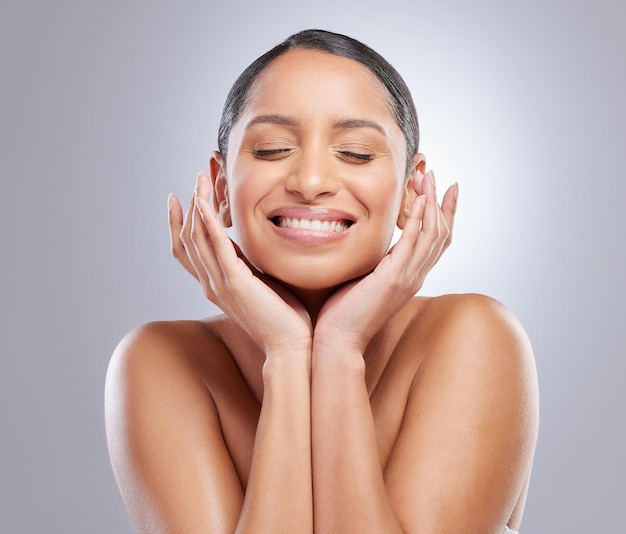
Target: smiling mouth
312	224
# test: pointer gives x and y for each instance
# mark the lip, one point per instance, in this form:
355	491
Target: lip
313	213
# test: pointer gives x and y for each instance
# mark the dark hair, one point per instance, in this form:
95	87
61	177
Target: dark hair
340	45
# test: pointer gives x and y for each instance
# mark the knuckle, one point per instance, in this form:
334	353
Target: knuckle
433	234
432	228
195	234
177	248
445	238
183	238
206	289
194	237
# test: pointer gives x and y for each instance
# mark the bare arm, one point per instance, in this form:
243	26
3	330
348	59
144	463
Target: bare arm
167	447
465	447
279	493
166	439
172	467
463	453
349	487
278	497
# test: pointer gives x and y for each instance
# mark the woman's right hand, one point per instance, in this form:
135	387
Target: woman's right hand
272	315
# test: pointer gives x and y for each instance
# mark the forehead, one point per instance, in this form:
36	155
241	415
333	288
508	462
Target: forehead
313	81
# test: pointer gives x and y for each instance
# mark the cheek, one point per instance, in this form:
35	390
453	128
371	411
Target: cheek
244	197
383	196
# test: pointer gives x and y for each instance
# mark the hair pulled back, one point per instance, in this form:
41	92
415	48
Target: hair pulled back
340	45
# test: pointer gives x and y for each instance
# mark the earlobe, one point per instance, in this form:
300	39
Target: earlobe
220	199
412	188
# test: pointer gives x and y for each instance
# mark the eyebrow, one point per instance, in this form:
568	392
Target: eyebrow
359	123
273	119
338	125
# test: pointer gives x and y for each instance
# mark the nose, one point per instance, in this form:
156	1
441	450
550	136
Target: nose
312	176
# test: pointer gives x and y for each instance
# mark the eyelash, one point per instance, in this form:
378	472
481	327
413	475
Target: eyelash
270	154
273	153
359	158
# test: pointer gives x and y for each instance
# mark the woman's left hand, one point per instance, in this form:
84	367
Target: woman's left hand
358	309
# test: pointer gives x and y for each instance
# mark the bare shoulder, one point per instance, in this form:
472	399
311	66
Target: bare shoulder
163	430
472	405
477	351
469	326
149	350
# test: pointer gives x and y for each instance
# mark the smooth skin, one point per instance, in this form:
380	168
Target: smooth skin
327	398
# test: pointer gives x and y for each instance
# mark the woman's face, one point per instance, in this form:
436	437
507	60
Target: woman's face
315	171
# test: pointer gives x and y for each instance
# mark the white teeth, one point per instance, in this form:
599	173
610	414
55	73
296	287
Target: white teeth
312	224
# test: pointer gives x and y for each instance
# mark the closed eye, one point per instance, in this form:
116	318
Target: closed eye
355	157
272	154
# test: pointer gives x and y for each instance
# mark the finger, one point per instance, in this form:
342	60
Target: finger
418	183
396	268
448	209
214	248
187	237
430	230
216	241
175	220
404	249
203	186
410	230
202	227
250	265
202	255
443	239
185	233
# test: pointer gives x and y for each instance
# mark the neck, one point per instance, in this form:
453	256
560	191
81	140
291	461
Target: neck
312	299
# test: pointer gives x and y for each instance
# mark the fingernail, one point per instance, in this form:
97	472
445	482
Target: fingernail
431	177
169	201
456	191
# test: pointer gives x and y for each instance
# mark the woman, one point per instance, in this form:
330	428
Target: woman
327	397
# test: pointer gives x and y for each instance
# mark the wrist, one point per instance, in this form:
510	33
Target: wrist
294	348
339	344
284	359
343	358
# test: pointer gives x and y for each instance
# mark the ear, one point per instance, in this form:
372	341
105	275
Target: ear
220	199
412	188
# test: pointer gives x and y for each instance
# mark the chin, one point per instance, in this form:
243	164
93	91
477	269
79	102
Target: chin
315	278
317	272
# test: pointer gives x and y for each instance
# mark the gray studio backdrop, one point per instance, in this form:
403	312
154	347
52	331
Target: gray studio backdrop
106	107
